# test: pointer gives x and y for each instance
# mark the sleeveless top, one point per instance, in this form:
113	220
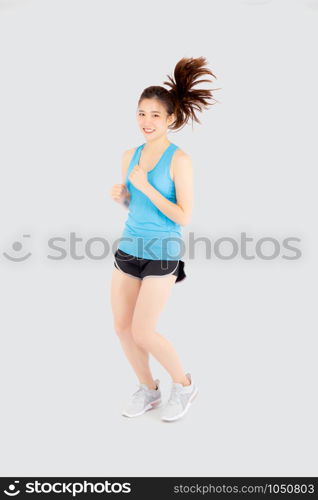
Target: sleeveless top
148	233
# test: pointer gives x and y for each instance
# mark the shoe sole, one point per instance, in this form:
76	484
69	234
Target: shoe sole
150	406
173	419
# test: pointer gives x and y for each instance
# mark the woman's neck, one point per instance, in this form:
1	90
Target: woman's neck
157	145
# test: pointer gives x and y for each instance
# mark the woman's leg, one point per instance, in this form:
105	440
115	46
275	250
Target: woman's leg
124	293
151	299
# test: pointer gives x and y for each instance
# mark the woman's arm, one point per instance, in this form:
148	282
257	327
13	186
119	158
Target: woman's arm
181	211
127	155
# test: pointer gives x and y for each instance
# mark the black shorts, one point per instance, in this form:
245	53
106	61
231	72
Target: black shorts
143	268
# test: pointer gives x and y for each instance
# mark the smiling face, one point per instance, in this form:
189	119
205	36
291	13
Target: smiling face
153	119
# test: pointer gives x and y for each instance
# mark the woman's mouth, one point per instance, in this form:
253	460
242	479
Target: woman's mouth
148	130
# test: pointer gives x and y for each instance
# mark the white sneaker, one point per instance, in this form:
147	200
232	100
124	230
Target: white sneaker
142	400
180	400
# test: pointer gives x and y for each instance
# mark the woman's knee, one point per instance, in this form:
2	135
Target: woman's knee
123	330
140	334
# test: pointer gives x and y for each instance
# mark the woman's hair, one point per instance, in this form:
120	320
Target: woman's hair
182	99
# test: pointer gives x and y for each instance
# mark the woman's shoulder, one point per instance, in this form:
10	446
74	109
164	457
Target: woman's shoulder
128	153
180	161
127	156
181	155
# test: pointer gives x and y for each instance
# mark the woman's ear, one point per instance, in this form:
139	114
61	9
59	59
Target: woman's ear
171	119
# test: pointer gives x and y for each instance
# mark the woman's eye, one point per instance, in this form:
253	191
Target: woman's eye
141	114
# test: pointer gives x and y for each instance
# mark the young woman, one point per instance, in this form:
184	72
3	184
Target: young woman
157	188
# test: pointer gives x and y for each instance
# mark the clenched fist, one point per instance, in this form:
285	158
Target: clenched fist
138	177
120	193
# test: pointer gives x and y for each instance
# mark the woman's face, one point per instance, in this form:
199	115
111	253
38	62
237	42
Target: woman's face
153	119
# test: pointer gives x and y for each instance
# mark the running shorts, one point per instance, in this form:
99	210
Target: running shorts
145	268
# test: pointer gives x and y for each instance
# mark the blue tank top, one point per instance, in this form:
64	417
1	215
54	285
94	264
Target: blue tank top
148	233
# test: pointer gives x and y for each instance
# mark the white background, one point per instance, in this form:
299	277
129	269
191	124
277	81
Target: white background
71	76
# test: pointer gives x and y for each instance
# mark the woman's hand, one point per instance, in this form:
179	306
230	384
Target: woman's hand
120	193
138	177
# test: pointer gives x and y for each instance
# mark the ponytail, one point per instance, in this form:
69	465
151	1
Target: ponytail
182	99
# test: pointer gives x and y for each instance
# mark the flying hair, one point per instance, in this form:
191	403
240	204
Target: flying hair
182	99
